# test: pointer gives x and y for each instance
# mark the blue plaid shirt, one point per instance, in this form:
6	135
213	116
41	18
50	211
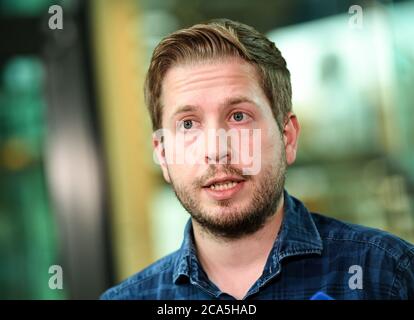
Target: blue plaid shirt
312	253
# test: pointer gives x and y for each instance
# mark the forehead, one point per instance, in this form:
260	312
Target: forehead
192	75
209	81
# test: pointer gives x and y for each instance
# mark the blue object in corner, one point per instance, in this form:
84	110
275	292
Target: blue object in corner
321	296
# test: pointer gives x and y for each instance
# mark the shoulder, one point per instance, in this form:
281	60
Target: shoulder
139	285
385	258
339	233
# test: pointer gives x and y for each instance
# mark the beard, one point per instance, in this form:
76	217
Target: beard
237	222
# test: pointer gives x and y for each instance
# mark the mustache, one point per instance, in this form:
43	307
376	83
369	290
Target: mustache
213	170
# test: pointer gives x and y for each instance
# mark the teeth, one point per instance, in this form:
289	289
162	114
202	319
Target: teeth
223	186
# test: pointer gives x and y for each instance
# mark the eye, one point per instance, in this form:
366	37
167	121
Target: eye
188	124
239	116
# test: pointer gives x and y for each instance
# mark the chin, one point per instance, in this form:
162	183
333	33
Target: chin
219	211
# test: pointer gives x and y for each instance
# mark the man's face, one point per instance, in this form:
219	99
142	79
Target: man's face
198	99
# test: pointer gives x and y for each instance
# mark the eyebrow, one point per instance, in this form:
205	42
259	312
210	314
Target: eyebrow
184	109
229	102
237	100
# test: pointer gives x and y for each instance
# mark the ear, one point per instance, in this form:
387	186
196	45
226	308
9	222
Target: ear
291	132
159	149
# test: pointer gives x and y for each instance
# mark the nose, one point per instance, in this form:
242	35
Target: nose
216	158
218	150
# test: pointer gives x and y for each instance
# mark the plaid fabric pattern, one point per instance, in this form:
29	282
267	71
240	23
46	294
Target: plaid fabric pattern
312	253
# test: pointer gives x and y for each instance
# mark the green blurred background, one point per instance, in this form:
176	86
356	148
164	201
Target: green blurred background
78	186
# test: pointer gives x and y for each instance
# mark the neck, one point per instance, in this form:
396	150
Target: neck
237	258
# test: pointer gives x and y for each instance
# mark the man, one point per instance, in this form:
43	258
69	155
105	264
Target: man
247	237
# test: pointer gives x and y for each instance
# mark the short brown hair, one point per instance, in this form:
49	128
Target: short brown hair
215	39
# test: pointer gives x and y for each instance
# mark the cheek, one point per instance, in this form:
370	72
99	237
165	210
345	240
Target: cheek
249	146
182	174
178	174
185	149
272	144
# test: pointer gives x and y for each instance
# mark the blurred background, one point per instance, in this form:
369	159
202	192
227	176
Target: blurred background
78	185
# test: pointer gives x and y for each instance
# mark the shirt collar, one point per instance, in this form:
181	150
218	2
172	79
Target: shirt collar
298	236
298	232
187	251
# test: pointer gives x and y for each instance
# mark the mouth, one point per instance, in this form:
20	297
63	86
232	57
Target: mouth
223	188
223	185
